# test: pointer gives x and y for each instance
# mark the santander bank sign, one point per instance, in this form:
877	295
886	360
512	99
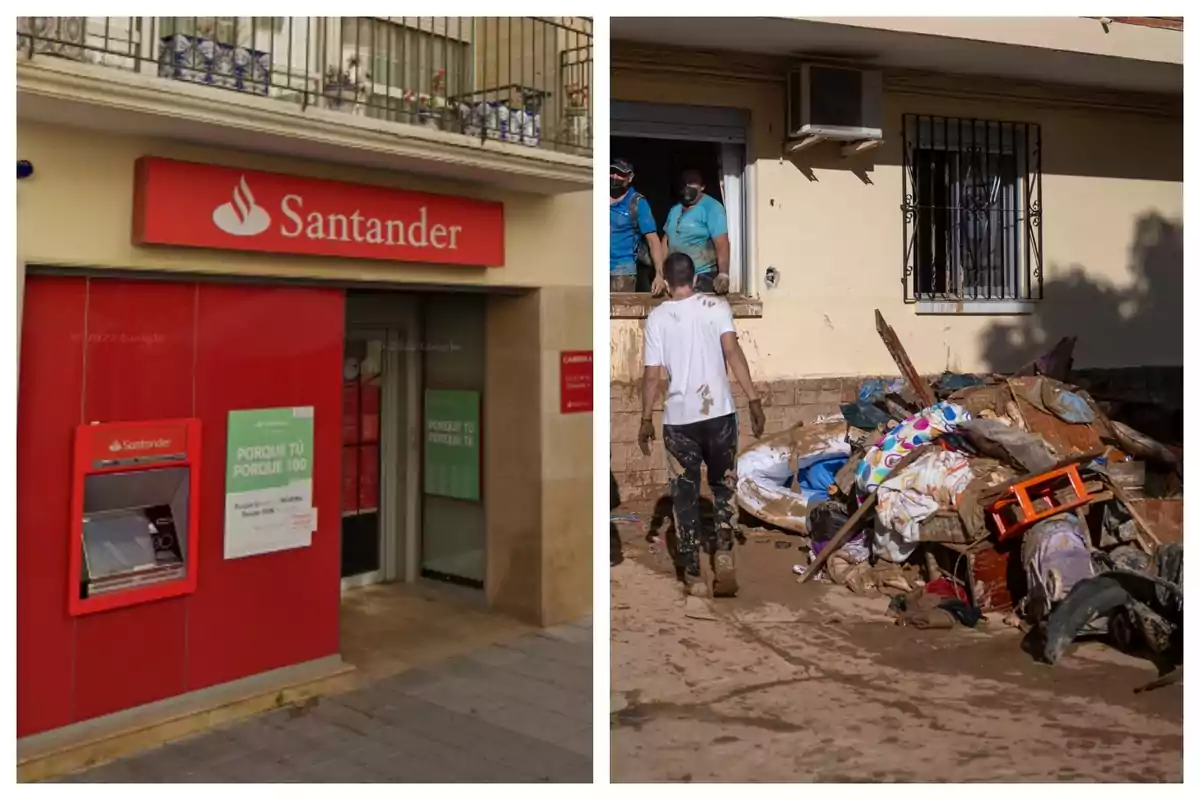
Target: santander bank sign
182	204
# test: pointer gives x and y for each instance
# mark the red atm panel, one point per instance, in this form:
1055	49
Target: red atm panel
134	513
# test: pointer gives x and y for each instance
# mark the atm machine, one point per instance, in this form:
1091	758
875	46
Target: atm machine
134	513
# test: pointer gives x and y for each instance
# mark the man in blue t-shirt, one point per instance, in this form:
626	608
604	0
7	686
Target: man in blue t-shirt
632	232
697	227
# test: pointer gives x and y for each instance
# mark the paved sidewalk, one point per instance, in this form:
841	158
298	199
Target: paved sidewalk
520	711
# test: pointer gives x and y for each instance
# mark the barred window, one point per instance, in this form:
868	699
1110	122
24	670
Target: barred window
972	210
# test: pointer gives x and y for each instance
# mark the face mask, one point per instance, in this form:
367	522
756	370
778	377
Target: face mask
690	195
616	188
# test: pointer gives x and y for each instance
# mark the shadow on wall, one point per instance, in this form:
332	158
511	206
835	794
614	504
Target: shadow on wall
1133	326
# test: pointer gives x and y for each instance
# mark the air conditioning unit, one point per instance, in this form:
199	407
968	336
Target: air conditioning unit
835	102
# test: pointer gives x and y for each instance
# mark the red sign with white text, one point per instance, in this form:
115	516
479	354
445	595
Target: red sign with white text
575	373
202	205
116	442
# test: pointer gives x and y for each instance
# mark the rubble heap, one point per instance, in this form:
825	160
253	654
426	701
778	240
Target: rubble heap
1014	494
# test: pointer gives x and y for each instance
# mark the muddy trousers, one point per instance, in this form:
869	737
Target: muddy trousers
713	443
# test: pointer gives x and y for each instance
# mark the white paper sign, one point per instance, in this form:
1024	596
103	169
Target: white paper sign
268	481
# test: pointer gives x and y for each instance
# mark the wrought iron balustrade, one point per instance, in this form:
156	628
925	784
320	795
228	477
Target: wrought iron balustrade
521	80
972	208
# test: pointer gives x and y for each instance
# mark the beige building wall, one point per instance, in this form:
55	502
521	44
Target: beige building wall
77	212
87	178
1112	208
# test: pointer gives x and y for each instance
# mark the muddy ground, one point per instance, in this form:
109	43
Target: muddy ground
814	683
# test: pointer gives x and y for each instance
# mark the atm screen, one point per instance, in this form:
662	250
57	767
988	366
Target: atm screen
134	526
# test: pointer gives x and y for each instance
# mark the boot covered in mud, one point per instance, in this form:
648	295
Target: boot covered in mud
691	581
725	583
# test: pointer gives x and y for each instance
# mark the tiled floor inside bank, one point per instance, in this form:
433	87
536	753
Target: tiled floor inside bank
443	692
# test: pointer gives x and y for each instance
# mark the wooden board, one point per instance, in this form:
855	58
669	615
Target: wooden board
918	384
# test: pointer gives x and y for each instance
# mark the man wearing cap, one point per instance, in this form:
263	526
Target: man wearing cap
633	234
696	227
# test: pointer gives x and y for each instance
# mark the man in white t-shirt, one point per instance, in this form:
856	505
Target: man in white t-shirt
691	341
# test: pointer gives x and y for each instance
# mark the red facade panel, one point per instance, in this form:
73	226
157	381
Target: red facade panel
140	352
267	347
155	349
48	410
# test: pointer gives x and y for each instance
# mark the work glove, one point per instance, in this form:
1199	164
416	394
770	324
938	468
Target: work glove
758	420
721	284
659	287
646	436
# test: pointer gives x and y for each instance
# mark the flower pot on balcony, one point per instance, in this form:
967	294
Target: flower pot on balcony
53	36
342	97
199	59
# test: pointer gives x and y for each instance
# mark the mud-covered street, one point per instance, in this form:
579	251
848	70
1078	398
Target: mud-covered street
815	683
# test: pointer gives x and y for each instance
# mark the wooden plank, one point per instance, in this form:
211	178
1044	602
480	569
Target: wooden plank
923	390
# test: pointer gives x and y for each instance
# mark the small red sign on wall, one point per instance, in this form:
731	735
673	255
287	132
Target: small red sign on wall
202	205
576	381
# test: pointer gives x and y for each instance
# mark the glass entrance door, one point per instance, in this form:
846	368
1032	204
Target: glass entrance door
363	377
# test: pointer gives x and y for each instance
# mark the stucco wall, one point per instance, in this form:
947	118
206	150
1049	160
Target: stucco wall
77	210
1112	208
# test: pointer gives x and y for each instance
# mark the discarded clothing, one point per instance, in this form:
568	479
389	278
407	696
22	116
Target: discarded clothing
824	521
972	513
933	481
864	416
952	382
876	389
880	459
1065	404
962	612
813	481
861	577
944	587
1145	606
1052	397
854	551
1055	555
1117	526
994	438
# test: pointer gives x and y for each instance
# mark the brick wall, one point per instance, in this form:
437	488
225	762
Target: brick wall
803	400
785	403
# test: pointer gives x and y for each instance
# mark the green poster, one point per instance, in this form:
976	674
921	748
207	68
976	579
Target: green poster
268	480
452	443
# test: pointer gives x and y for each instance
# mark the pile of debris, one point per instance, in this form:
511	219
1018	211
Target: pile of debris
1012	494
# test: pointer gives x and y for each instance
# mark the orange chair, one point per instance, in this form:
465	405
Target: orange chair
1015	512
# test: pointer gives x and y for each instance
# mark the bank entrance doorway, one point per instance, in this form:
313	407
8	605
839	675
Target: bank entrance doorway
412	494
379	418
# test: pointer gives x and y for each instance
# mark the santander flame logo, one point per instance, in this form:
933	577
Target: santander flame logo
242	217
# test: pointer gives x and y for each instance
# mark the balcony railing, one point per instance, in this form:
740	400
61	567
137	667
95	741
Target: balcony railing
522	80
